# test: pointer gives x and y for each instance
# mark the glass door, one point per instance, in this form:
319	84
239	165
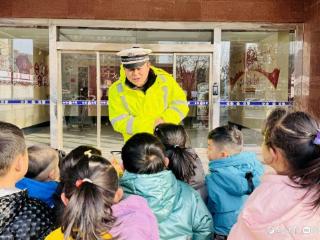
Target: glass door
256	76
193	73
79	95
110	140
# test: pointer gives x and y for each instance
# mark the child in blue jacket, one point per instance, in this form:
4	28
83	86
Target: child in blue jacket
42	177
233	175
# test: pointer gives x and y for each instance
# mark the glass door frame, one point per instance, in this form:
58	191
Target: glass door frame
98	48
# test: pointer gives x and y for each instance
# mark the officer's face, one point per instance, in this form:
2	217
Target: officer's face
138	76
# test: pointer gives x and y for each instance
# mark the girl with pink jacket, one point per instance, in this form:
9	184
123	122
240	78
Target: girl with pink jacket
286	205
94	205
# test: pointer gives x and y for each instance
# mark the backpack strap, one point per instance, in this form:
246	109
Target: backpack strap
249	177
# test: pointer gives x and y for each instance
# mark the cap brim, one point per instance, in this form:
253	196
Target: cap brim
134	65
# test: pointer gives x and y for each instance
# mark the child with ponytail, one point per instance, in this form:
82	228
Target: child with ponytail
179	209
183	160
94	208
286	204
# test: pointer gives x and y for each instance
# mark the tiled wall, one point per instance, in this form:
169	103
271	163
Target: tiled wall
277	11
311	64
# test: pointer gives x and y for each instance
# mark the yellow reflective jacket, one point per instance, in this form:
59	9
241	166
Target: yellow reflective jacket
133	111
58	235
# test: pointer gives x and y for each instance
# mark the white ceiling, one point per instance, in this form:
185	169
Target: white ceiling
40	36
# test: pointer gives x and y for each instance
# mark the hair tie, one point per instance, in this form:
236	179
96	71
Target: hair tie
316	141
88	153
79	182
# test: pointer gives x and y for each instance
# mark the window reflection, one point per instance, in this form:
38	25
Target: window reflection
256	67
24	59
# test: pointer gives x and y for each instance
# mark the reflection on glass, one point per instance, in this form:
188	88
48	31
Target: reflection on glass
23	70
110	72
78	89
256	67
24	76
192	73
164	61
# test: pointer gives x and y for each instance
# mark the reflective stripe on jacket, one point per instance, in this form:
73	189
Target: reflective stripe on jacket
133	111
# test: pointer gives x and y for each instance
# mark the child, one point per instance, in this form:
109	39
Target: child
43	173
286	204
179	209
183	161
21	217
73	158
93	206
65	164
43	163
233	175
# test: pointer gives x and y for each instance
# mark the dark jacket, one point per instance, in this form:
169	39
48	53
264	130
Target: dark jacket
198	180
24	218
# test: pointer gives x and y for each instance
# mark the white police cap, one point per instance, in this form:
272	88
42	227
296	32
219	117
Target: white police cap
134	57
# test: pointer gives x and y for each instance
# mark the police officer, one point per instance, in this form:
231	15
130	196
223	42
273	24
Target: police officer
144	96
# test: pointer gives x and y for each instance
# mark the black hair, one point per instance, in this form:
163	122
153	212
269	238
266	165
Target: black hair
294	133
275	116
181	158
41	159
12	143
227	135
88	213
143	153
74	157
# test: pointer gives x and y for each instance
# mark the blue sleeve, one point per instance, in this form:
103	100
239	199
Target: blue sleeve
211	193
